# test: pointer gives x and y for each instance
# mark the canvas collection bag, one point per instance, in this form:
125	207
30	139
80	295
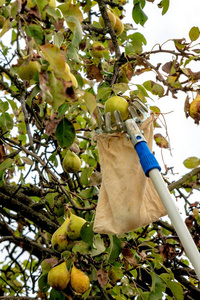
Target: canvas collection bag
127	198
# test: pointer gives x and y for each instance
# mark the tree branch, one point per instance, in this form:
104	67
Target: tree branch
103	10
37	217
29	245
16	298
186	177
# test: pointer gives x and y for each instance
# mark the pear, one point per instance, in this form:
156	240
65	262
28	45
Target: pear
73	80
71	162
112	19
80	282
97	49
59	239
29	71
117	103
59	277
67	68
194	109
119	26
74	226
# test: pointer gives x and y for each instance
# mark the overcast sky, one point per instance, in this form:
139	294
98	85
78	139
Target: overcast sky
176	23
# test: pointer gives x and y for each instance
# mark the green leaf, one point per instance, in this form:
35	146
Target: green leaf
6	27
85	175
47	264
62	109
194	33
43	284
137	36
88	193
176	289
4	106
191	162
41	4
99	246
87	233
103	93
120	87
158	287
81	247
77	37
56	295
164	4
138	15
65	133
6	122
81	121
6	164
115	248
89	160
154	88
36	32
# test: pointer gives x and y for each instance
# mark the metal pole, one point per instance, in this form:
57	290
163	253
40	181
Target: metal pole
151	169
173	213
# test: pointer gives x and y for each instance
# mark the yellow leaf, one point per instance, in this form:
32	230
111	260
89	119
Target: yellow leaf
90	102
56	59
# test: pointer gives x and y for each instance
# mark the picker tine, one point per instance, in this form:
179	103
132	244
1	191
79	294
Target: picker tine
108	126
119	121
139	111
100	119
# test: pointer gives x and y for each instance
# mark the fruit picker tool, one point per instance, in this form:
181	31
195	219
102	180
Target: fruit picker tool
151	168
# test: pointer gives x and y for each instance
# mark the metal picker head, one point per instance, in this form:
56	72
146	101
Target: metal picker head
138	111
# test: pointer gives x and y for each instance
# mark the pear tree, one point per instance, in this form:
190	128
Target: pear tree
61	63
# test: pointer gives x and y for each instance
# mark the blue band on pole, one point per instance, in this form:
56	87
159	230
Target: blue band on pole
147	159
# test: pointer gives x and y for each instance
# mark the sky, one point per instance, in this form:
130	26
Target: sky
176	23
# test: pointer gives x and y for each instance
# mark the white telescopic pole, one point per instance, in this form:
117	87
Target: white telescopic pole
151	169
177	221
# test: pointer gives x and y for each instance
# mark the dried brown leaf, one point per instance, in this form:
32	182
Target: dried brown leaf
102	277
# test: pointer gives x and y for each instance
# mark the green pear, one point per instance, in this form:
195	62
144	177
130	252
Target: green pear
74	226
119	26
29	71
71	162
59	240
117	103
59	277
112	19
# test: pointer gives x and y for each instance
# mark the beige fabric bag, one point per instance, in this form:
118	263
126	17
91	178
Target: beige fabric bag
127	198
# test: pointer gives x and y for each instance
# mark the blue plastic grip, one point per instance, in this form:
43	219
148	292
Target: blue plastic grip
147	159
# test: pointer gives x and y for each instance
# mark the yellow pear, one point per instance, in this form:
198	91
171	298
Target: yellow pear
71	162
194	109
80	282
117	103
67	68
112	19
59	277
73	80
59	239
29	71
119	26
68	76
74	226
97	49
